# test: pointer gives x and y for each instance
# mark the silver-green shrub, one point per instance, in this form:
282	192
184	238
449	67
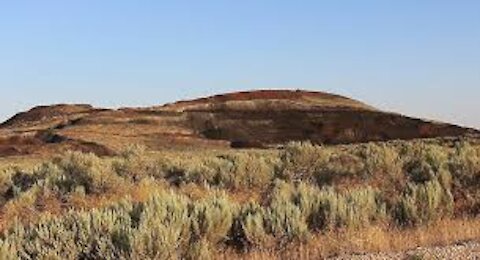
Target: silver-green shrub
283	218
249	228
327	209
424	162
381	159
163	227
319	164
302	160
86	170
135	164
424	203
212	218
249	170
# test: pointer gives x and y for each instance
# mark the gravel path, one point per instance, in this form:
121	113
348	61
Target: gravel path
467	250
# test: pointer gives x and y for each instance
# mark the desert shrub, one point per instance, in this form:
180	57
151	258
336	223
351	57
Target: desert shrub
420	171
229	170
319	164
22	181
307	199
23	206
75	235
213	171
249	170
249	226
427	162
364	207
212	218
135	164
424	203
134	151
156	229
383	168
464	165
6	180
48	176
6	185
381	159
85	170
163	227
200	250
300	160
322	209
327	209
340	167
283	218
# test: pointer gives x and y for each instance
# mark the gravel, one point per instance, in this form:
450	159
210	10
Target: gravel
466	250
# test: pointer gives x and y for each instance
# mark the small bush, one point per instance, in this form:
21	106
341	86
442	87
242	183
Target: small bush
86	170
339	167
428	163
465	164
327	209
212	219
249	170
162	229
317	164
381	159
6	186
424	203
231	171
249	228
301	160
284	220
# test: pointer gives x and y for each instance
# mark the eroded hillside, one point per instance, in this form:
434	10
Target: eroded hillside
243	119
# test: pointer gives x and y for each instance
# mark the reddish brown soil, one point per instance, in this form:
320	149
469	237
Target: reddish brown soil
39	114
243	119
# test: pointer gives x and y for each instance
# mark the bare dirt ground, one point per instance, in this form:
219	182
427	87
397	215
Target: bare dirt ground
464	250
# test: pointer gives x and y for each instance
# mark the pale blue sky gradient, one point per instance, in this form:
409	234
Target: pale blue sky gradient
420	58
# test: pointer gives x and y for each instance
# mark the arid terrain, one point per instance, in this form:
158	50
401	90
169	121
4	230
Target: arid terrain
251	175
257	119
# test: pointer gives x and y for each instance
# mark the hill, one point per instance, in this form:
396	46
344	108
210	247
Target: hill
260	118
189	194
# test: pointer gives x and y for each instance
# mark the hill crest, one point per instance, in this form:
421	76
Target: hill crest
290	99
260	118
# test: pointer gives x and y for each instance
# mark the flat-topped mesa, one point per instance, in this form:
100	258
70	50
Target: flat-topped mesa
274	100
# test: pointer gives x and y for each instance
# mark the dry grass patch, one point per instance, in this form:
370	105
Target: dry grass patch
372	239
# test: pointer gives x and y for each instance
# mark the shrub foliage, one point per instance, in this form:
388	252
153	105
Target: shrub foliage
302	190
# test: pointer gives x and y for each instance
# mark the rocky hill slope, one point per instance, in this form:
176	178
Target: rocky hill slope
244	119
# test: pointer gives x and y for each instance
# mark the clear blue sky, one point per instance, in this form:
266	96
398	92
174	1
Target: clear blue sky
420	58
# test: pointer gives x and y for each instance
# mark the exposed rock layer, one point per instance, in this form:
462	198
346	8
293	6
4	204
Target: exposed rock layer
242	119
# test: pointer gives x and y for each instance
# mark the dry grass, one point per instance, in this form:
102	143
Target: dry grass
372	239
